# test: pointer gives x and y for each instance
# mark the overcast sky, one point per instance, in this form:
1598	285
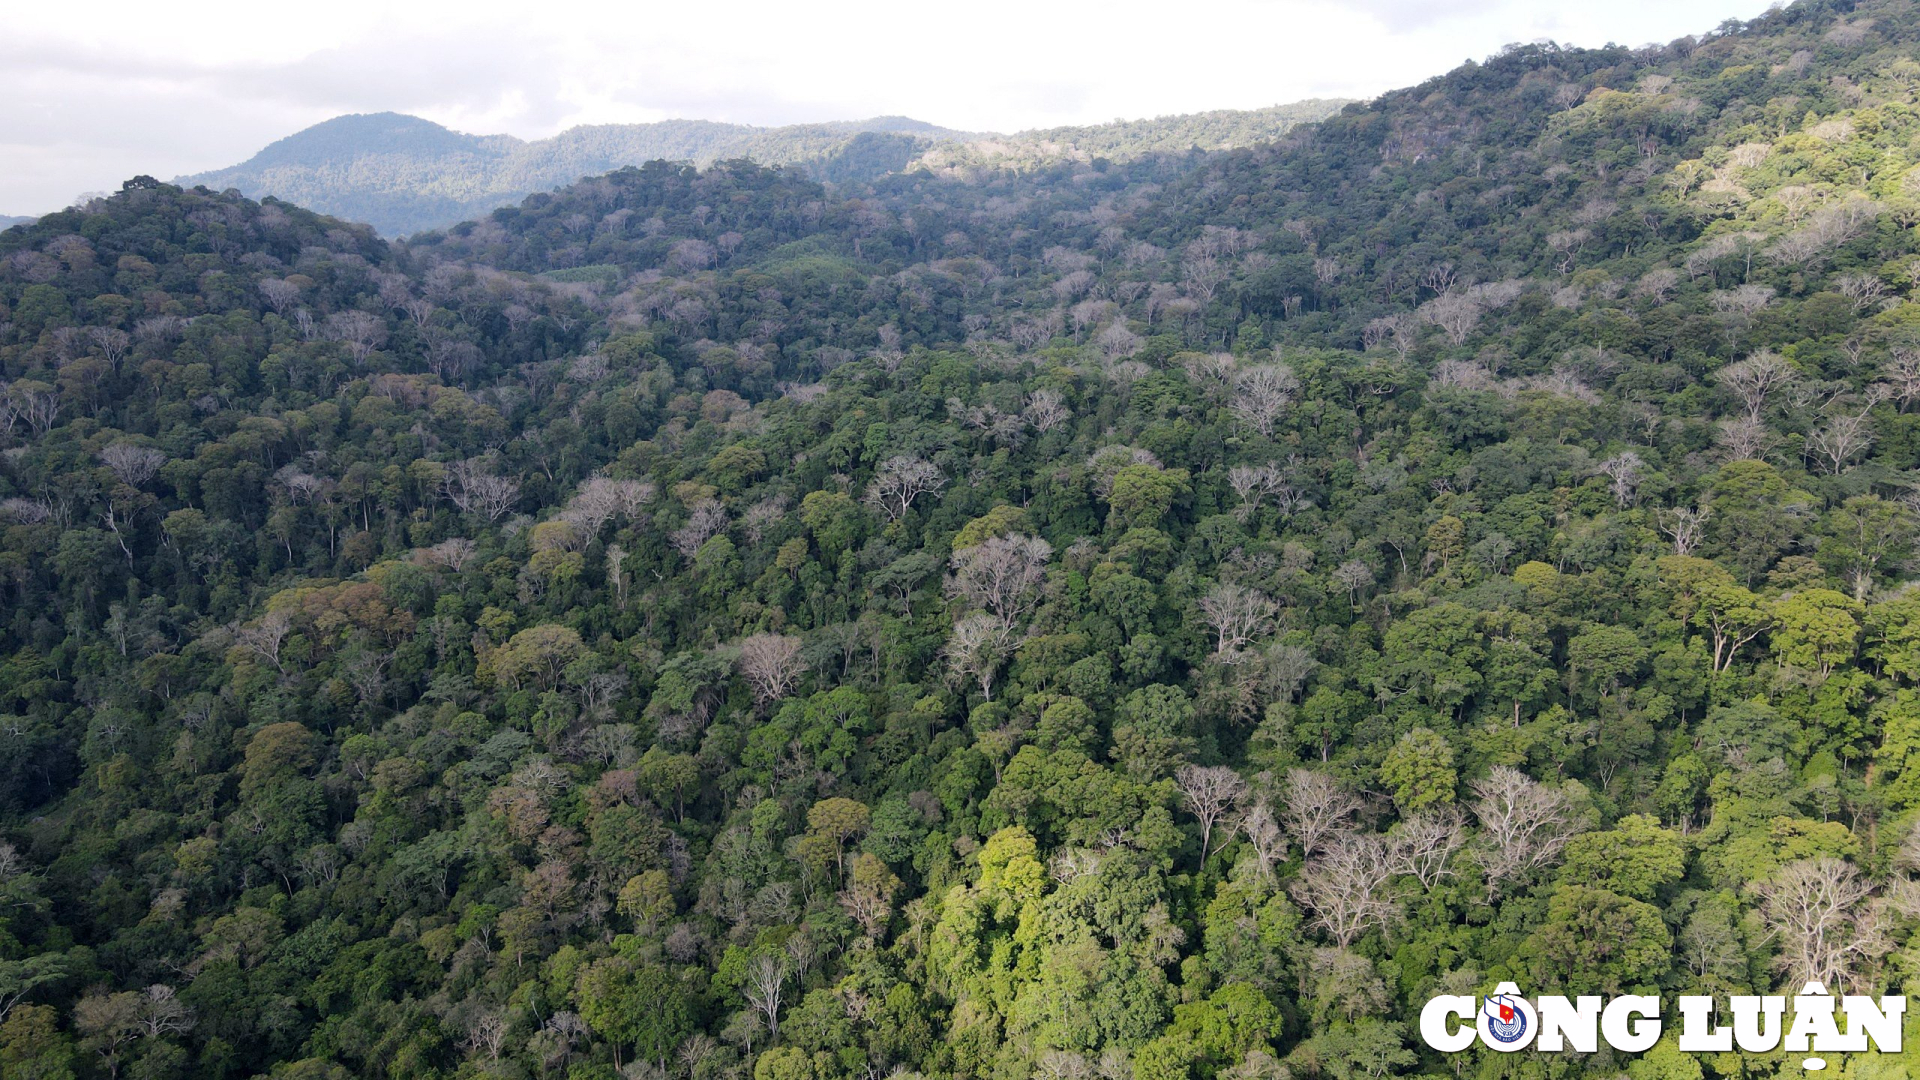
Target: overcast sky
95	95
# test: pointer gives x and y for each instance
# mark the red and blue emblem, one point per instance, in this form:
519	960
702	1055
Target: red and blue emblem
1504	1019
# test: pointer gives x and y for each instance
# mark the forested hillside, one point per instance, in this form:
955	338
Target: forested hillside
403	174
1222	129
1143	620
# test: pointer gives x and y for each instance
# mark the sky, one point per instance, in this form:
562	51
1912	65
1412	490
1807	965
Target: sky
164	90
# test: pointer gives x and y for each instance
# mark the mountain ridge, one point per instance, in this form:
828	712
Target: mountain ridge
1151	619
403	174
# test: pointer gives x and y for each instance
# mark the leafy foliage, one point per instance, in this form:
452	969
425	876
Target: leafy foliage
1152	618
403	174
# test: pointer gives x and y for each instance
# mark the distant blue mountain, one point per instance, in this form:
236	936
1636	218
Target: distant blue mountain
403	174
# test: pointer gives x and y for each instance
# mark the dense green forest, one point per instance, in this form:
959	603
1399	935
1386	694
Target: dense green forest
1158	619
403	174
1121	140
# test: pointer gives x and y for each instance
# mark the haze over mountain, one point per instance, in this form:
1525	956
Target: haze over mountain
402	174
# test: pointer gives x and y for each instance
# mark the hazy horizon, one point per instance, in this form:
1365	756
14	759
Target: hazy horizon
141	92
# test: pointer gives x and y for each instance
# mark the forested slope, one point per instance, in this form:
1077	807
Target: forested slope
1144	619
403	174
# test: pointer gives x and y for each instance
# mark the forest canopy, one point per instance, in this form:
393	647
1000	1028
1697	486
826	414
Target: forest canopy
1158	619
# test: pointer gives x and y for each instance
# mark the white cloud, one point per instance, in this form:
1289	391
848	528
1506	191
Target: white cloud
135	88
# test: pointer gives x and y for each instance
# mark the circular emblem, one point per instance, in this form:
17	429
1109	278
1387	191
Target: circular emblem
1506	1019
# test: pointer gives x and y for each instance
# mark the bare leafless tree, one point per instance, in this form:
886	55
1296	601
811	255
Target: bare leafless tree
979	645
472	487
1211	792
1116	341
1046	410
1623	474
1400	332
394	289
706	520
1254	483
1827	229
454	553
1353	575
1863	290
1214	373
1900	375
1001	574
360	332
1026	334
771	665
1262	394
1568	243
517	315
1267	838
1316	808
24	511
1346	887
1423	845
1202	273
132	464
279	293
451	358
1742	439
869	906
766	980
762	516
1752	380
1657	284
163	1013
696	1051
1067	287
1249	483
899	481
616	559
1524	825
1237	615
1737	307
109	1023
1455	313
69	343
419	309
487	1031
601	499
1685	525
320	864
264	637
159	328
35	402
1823	921
1835	444
112	343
